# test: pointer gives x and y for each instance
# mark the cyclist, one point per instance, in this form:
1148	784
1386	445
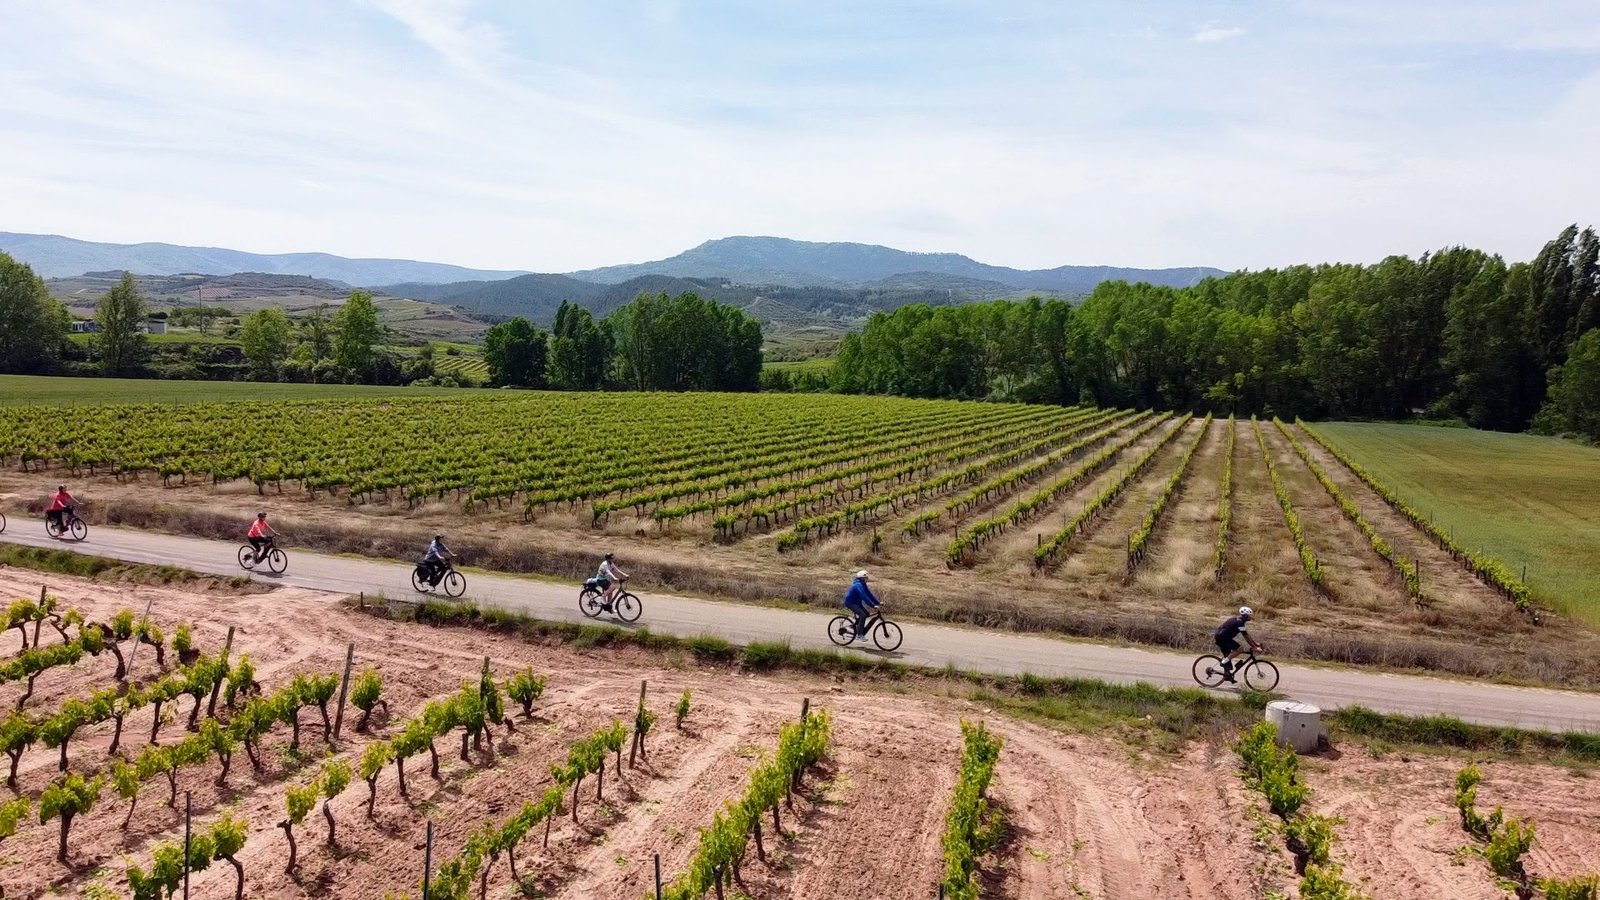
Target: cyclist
859	599
260	535
1227	638
610	577
61	503
433	560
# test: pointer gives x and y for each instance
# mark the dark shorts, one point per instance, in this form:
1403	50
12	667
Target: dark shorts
1227	645
602	583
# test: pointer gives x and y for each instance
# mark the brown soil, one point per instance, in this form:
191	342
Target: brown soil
1402	836
1089	812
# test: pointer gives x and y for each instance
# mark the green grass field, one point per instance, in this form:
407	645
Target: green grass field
822	366
22	390
1525	500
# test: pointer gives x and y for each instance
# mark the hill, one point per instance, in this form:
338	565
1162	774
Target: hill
780	261
54	256
245	292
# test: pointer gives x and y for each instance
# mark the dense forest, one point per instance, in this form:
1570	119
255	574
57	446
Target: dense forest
1458	333
655	343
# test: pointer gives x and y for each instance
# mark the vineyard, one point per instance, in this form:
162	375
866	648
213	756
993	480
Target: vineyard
544	770
1100	521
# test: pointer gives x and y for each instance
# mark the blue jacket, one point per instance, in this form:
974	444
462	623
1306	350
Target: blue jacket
860	595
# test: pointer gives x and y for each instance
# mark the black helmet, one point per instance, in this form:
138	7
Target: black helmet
438	537
61	487
609	555
262	514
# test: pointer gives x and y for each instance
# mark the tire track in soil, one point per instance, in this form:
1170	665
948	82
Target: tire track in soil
1401	833
678	802
884	793
1088	828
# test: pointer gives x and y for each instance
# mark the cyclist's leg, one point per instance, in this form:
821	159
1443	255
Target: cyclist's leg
1229	649
860	612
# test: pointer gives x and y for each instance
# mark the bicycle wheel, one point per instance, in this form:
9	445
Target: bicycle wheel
887	635
589	602
628	607
247	557
52	528
79	530
1260	675
842	630
277	561
455	584
2	523
1208	670
419	580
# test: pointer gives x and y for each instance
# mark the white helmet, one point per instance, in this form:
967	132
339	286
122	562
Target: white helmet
1246	611
861	575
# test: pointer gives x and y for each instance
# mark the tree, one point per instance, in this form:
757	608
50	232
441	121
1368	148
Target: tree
266	335
580	350
686	343
1574	404
317	335
515	352
359	331
120	342
33	326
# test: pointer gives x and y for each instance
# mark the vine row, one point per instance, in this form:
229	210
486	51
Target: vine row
1406	569
1308	557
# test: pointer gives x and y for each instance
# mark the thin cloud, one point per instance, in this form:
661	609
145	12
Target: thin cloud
1213	33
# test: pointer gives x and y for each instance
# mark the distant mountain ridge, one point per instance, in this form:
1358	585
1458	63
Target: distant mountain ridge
770	261
54	256
790	263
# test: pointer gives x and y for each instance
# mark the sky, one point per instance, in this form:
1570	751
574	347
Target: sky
557	136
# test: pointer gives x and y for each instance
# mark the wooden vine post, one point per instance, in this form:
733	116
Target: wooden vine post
344	689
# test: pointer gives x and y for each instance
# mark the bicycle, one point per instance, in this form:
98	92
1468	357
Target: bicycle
69	525
591	602
886	634
2	523
277	561
455	584
1259	674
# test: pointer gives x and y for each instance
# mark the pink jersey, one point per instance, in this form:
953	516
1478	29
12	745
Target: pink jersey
61	500
258	528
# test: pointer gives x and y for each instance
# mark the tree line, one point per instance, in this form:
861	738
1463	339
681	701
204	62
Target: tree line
1454	334
655	343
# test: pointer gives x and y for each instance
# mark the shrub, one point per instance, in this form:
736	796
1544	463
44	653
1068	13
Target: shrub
681	711
765	654
365	695
711	647
1506	847
1586	887
525	687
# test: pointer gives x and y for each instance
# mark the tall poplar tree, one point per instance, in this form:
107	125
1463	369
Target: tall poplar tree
121	341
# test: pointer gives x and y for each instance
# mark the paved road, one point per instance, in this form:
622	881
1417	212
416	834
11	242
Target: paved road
925	645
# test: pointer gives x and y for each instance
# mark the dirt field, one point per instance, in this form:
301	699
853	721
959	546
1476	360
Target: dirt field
1092	815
